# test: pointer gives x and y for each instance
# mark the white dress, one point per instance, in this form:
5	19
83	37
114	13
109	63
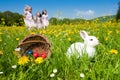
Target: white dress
45	21
38	22
29	22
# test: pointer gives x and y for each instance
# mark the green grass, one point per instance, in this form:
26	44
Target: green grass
104	66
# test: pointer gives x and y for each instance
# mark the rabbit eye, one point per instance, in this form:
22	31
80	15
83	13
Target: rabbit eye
91	39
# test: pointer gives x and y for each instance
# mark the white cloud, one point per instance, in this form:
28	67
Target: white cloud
85	14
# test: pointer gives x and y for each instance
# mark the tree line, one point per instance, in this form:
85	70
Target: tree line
9	18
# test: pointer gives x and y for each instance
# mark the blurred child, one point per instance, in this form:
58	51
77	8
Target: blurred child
28	17
45	21
38	20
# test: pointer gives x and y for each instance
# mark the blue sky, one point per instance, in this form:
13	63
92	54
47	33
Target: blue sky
64	8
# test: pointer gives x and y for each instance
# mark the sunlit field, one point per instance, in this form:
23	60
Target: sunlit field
104	66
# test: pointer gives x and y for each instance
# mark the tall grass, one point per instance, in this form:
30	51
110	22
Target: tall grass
103	66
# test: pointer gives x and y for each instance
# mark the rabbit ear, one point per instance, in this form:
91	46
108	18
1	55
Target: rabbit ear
84	34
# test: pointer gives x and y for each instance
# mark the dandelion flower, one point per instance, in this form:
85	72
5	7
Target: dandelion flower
1	52
52	75
57	35
82	75
39	60
113	51
109	32
14	66
0	32
43	31
0	40
32	33
23	60
17	39
106	38
54	70
2	19
69	39
117	31
66	34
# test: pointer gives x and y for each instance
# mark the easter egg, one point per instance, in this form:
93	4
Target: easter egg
35	54
43	55
29	52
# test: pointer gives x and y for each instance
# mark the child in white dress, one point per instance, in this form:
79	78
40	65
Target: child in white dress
45	21
38	20
28	17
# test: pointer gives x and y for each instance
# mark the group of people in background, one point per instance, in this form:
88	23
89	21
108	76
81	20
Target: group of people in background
40	20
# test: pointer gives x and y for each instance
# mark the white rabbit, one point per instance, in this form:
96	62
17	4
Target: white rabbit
81	48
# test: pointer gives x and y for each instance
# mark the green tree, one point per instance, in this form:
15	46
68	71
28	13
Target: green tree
66	21
11	18
118	13
53	21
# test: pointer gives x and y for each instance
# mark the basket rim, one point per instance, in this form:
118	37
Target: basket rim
34	41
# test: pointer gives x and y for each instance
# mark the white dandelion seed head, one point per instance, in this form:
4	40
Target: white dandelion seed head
54	70
17	49
82	75
1	72
52	75
14	66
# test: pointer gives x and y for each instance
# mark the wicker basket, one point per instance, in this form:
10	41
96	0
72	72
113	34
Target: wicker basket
35	42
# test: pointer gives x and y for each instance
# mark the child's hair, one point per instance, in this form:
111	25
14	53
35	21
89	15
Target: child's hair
27	7
44	12
39	14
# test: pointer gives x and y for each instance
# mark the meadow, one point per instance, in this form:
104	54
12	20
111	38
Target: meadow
104	66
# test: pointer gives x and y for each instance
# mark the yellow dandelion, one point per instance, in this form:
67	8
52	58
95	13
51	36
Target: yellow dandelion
40	31
2	19
66	34
0	32
87	22
0	40
113	51
1	52
117	31
3	22
69	39
17	39
23	60
39	60
32	32
44	32
109	32
57	35
106	38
